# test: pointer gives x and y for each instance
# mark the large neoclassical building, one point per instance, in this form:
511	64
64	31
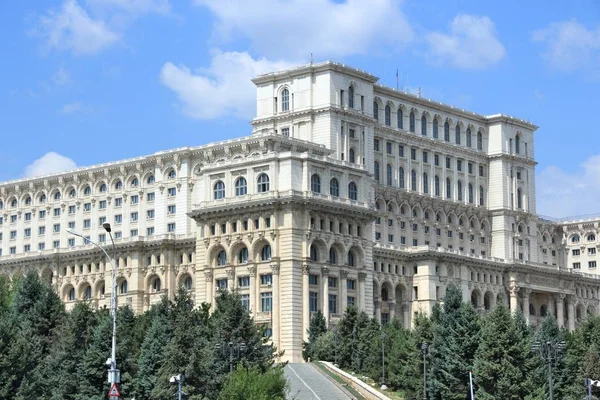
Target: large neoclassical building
347	192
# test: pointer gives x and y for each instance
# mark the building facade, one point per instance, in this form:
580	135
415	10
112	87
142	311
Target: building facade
347	192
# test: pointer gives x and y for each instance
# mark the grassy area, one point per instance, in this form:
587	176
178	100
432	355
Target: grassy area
392	395
339	380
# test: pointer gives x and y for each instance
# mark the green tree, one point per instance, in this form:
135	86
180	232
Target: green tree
403	361
256	385
92	373
318	326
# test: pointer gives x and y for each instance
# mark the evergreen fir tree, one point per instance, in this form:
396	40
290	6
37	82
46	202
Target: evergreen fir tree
318	326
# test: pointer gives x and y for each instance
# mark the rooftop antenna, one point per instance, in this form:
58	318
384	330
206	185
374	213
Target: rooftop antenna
397	79
311	59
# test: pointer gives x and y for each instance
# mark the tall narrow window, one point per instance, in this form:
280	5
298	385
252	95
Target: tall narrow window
435	128
471	193
425	183
423	126
469	139
219	190
457	132
481	196
241	186
388	115
351	97
285	100
376	172
401	177
376	111
447	132
263	183
436	183
518	144
479	141
389	175
412	122
413	180
315	183
459	190
352	156
352	191
448	188
519	199
334	187
400	119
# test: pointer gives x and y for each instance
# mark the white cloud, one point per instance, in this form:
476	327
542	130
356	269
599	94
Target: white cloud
72	108
471	44
223	89
290	29
562	194
135	6
72	29
49	163
570	45
61	77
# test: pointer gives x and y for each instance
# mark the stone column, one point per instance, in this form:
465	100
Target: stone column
560	309
362	276
208	275
230	279
526	294
305	302
275	306
344	290
325	283
551	305
514	298
392	307
377	304
571	308
253	305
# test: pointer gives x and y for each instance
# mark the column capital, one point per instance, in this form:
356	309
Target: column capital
571	299
275	269
306	269
230	273
252	271
362	276
208	276
526	292
559	296
325	271
514	290
343	274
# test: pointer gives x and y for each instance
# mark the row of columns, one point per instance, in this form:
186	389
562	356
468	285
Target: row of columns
525	293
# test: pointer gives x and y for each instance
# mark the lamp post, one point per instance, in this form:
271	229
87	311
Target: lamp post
335	345
114	375
549	351
383	360
178	379
424	347
232	351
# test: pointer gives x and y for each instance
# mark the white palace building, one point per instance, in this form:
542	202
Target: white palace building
347	192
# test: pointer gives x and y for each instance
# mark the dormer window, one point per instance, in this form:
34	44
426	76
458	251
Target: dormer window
285	100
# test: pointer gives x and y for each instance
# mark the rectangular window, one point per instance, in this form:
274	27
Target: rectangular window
150	231
448	162
13	234
221	284
576	252
118	202
13	219
285	132
87	223
415	242
56	244
313	301
150	214
377	235
71	224
102	205
244	281
102	237
313	279
388	147
425	156
42	230
87	207
266	301
135	199
351	284
133	233
592	250
351	133
12	250
56	228
351	301
576	265
333	304
171	227
592	264
71	209
266	279
150	196
56	212
171	209
470	167
332	282
401	151
171	192
459	165
245	299
101	220
118	219
390	238
415	293
402	239
436	160
26	248
71	242
449	234
390	222
118	235
133	216
27	217
42	214
27	232
481	170
413	154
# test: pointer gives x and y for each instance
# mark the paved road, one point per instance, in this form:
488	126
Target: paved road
307	383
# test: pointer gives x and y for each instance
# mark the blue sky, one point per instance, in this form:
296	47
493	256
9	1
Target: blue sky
91	81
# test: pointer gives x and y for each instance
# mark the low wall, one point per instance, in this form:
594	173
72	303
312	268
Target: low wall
358	385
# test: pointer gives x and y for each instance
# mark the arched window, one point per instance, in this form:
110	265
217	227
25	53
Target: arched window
447	131
352	157
118	185
435	128
471	193
400	118
481	196
388	115
389	175
123	287
352	191
425	183
479	141
135	182
243	255
219	190
413	180
172	174
436	183
241	186
71	294
150	180
87	191
72	193
376	111
14	203
423	126
459	190
457	132
314	253
57	195
156	285
263	183
27	201
315	183
351	97
187	283
351	259
519	199
332	256
265	253
334	187
575	239
411	121
591	237
517	144
285	100
87	293
376	172
43	198
401	177
103	188
221	257
384	294
469	139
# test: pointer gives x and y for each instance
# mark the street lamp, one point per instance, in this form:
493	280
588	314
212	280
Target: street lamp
178	379
383	361
231	350
549	351
424	347
335	347
114	376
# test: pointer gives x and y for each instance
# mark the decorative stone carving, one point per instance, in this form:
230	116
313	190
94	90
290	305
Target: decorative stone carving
306	269
275	269
208	275
325	271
